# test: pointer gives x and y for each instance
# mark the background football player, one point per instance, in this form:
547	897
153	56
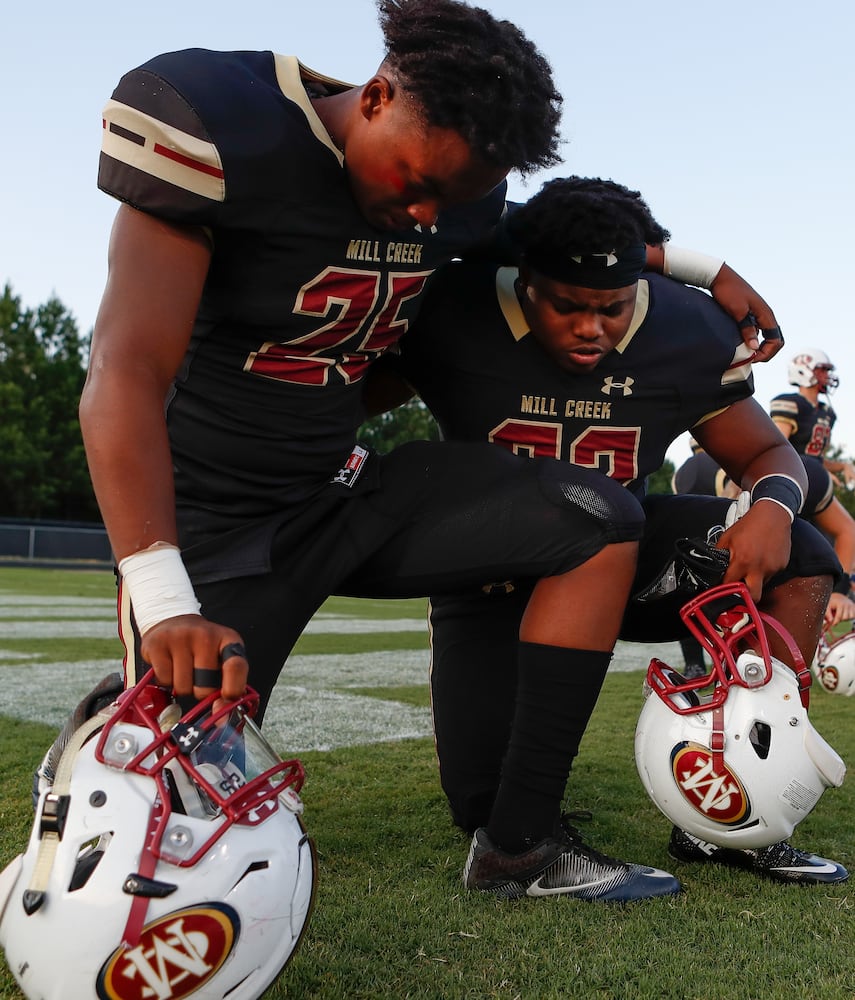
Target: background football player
575	355
805	419
700	473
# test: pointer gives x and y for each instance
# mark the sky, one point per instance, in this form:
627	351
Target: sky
735	121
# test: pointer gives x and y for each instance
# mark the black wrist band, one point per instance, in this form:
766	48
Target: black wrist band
781	489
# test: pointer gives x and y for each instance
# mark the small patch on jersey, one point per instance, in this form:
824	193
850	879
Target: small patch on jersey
349	472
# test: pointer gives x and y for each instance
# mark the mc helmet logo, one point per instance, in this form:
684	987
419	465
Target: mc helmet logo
829	678
709	786
175	956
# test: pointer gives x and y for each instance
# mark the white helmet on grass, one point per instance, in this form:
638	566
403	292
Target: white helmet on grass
834	665
731	757
168	859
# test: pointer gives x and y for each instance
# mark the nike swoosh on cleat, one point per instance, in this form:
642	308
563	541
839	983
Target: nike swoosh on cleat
817	869
536	889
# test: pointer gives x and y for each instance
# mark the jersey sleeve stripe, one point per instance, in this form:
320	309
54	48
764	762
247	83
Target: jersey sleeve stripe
140	141
784	408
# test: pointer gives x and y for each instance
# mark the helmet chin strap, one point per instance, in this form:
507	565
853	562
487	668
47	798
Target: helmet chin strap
143	877
54	811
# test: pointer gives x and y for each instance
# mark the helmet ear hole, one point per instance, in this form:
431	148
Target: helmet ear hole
760	738
690	698
88	859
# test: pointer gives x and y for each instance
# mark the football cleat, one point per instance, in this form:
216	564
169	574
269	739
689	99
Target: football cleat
693	671
561	865
781	862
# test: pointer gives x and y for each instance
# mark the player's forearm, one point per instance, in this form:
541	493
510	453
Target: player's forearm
127	449
835	466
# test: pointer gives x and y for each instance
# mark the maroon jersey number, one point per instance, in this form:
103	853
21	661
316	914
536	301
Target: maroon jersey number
360	319
612	450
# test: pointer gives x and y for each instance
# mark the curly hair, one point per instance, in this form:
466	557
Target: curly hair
477	75
583	215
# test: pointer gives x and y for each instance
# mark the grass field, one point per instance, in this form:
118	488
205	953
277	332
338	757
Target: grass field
391	918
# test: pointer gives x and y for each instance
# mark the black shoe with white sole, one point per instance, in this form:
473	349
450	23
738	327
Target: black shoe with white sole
781	862
561	865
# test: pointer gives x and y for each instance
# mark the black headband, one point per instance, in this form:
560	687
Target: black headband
615	269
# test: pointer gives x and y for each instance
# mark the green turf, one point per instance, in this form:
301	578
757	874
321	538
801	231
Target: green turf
392	920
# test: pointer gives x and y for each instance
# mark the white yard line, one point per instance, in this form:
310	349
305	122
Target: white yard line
308	709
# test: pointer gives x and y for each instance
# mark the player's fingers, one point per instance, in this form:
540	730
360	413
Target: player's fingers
773	341
157	657
184	671
741	571
235	670
748	328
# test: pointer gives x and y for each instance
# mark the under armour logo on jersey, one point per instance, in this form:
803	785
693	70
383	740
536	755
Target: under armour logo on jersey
349	472
418	228
625	387
600	259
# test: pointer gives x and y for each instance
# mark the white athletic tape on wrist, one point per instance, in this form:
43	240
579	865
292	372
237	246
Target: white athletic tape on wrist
690	267
159	585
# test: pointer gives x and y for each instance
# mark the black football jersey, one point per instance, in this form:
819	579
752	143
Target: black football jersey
472	360
302	293
811	425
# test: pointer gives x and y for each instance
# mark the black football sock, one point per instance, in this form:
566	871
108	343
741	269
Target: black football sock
693	653
556	693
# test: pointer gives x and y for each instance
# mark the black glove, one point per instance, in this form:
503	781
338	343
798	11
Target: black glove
696	566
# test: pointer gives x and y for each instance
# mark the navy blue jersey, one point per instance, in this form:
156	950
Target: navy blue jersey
701	474
471	359
811	425
302	293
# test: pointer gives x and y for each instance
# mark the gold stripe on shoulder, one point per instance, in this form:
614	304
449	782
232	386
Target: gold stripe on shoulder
642	305
145	143
509	303
291	75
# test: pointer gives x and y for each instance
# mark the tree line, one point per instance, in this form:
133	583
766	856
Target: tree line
44	476
42	370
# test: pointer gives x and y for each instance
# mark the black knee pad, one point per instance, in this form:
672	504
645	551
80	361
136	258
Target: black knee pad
614	509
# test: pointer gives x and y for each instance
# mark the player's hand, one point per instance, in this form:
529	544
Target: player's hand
194	656
848	474
759	545
840	608
751	312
